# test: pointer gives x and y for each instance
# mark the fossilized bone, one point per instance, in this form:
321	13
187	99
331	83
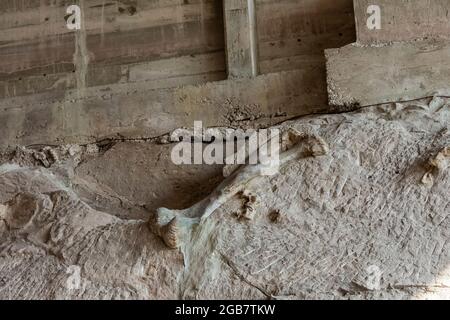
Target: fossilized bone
438	163
442	160
249	206
173	225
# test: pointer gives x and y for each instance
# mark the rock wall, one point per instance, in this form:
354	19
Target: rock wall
86	178
367	220
294	34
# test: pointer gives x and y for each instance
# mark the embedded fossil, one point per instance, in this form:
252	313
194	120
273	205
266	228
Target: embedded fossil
47	156
173	226
440	162
168	232
428	179
249	207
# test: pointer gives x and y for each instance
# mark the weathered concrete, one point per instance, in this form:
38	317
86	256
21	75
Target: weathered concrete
293	34
403	20
38	53
160	73
133	110
240	38
365	76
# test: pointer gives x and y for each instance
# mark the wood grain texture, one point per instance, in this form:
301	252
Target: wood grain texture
293	34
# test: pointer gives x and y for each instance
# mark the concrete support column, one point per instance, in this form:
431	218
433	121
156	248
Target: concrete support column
241	38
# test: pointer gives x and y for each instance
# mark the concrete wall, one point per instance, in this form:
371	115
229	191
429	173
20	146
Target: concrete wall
293	34
133	111
403	20
123	41
404	58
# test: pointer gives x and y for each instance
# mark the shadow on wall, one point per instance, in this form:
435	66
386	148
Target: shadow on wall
294	34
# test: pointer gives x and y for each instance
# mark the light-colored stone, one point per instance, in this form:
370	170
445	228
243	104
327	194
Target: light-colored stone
442	160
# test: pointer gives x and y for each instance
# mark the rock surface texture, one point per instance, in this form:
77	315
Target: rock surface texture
368	219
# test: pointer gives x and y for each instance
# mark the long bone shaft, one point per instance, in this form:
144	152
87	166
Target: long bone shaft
170	225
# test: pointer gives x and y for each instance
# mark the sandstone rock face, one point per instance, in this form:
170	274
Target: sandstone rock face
358	222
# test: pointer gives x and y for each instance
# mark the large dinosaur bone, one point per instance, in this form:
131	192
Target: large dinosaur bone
438	163
173	226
